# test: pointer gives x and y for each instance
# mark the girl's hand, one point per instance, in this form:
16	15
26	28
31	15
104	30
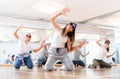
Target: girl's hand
42	45
20	27
65	11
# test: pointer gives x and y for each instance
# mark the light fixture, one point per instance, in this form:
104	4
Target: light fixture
80	36
28	30
48	32
113	20
110	28
5	38
35	38
47	6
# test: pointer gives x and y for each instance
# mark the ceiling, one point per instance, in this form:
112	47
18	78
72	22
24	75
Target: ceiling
92	16
81	10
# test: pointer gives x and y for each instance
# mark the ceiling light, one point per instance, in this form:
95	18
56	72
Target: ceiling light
48	32
35	38
5	38
47	6
28	30
80	36
110	28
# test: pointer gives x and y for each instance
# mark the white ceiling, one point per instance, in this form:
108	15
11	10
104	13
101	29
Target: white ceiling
15	12
80	9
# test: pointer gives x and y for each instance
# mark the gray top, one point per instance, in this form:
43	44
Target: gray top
77	54
42	53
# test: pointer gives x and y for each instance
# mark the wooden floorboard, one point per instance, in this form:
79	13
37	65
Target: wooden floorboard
9	72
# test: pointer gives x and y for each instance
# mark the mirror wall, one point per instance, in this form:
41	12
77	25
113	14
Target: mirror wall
9	45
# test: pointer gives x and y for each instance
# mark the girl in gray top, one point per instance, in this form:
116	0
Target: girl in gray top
77	60
42	55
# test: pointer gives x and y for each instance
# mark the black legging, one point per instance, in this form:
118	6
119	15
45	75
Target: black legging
78	62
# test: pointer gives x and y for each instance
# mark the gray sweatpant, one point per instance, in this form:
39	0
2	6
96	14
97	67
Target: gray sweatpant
58	54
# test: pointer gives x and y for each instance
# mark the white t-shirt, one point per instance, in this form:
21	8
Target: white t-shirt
58	40
23	47
101	54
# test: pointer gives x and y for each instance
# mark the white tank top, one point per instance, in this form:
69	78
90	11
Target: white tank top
58	40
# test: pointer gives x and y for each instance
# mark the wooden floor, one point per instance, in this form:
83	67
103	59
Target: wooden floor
8	72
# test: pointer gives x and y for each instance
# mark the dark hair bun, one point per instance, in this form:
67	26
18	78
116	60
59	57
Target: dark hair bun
107	42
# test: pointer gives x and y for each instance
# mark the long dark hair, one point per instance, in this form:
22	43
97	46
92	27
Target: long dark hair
108	49
107	42
70	35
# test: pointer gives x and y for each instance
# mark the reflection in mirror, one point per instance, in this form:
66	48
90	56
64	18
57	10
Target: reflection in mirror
9	45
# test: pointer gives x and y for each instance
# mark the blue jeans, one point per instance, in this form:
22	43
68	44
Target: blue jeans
27	61
78	62
41	62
